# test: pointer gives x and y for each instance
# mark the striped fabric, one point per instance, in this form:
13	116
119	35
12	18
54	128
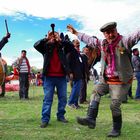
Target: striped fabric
23	67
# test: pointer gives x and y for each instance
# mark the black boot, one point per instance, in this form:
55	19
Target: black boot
2	95
90	119
3	89
117	124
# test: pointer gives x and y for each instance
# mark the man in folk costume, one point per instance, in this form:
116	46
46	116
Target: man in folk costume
23	67
116	71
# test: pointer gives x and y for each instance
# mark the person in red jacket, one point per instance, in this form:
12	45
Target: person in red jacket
55	67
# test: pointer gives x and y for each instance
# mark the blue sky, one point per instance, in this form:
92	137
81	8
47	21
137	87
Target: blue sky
29	21
24	33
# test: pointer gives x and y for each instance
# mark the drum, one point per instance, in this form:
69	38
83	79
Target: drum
2	72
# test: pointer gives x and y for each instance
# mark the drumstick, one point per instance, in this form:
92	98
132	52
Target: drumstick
53	25
6	26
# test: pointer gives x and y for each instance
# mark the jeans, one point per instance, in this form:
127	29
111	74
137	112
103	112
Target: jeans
49	84
137	96
73	99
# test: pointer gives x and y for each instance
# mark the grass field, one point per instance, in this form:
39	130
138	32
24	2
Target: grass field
20	120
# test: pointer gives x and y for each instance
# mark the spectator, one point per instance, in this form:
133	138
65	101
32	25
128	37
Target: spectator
83	90
76	74
22	65
38	79
136	65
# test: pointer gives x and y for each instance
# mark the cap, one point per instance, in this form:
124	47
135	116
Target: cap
108	26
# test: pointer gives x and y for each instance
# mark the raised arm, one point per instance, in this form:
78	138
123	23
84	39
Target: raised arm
89	40
71	29
40	46
4	40
132	39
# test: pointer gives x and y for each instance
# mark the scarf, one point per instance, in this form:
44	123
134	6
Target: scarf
109	50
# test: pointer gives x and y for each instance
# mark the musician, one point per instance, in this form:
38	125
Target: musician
116	69
4	63
22	65
4	40
54	48
2	43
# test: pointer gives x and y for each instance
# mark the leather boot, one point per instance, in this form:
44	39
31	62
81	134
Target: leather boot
1	95
117	124
90	119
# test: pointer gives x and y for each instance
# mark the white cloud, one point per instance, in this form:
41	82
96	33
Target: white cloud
91	14
29	40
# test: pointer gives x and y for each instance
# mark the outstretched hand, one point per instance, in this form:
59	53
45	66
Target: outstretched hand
71	29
